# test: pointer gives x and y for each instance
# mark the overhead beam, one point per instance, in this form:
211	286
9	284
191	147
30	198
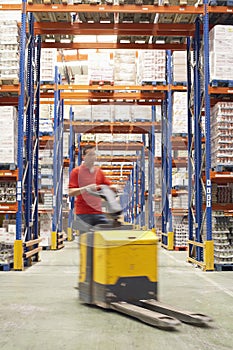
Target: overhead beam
113	46
124	29
115	8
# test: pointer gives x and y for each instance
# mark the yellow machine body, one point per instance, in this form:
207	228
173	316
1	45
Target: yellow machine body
118	265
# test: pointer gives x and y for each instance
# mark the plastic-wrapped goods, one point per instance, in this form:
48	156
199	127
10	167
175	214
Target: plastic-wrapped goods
222	236
141	113
158	146
101	113
82	113
48	61
180	113
45	127
221	52
45	230
179	66
222	134
122	113
8	132
125	67
151	66
46	111
81	79
9	48
100	69
66	140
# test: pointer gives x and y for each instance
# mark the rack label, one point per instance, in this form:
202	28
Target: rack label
208	193
19	190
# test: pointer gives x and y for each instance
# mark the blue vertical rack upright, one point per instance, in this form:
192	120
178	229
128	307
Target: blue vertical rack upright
137	170
151	171
190	144
71	166
56	234
142	184
26	244
167	230
201	247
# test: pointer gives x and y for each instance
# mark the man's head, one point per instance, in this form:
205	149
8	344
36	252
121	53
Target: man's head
89	155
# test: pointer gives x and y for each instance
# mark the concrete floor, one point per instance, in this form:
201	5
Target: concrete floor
40	309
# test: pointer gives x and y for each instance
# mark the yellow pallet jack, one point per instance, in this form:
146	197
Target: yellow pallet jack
119	271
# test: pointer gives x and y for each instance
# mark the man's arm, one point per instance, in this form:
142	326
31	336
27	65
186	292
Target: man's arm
72	192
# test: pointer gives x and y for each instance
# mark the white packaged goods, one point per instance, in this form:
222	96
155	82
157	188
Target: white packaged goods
158	145
46	111
46	171
47	63
9	58
124	67
221	66
82	113
45	229
103	138
222	134
179	113
101	112
221	52
179	66
45	127
122	113
66	137
65	180
141	113
47	182
151	66
80	79
8	140
100	68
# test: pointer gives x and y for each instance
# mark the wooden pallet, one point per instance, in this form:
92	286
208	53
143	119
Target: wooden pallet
221	83
9	81
178	248
223	267
153	83
8	166
6	267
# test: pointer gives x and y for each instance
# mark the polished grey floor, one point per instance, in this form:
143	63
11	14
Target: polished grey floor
39	308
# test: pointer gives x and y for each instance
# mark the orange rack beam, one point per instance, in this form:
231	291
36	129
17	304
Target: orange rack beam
115	8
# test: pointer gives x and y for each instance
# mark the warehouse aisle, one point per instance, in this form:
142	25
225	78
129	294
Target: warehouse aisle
40	309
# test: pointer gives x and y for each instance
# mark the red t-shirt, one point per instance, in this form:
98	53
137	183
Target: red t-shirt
81	176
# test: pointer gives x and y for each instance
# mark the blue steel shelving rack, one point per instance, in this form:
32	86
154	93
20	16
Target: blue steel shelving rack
26	245
200	244
167	230
71	166
56	234
151	171
137	175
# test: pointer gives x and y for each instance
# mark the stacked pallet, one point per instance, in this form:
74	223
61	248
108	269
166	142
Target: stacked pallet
9	51
100	69
222	134
48	61
221	53
125	67
9	132
151	67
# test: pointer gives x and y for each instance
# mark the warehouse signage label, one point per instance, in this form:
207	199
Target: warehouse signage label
208	193
19	190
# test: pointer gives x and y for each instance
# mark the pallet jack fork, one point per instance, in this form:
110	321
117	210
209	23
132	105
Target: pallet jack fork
112	277
160	315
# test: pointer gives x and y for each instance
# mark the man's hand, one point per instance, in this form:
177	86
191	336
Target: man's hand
91	187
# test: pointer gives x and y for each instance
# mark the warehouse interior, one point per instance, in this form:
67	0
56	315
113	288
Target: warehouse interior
149	85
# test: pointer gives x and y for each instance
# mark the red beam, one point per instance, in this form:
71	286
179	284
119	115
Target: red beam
113	46
124	29
115	8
